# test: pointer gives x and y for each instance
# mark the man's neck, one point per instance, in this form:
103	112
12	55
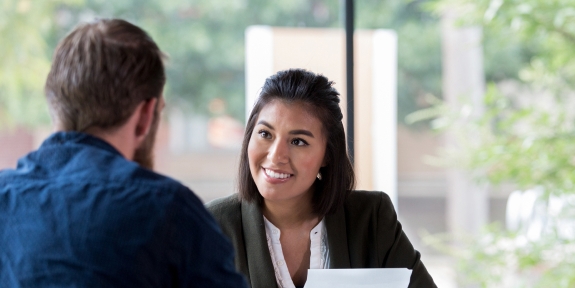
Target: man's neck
118	138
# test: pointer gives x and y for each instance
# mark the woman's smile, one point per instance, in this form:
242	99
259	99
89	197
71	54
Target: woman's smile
277	175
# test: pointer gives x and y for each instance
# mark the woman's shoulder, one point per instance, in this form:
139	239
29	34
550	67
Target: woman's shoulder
367	201
227	206
228	213
363	196
364	208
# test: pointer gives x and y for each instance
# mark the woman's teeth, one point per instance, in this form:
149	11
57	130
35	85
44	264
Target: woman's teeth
277	175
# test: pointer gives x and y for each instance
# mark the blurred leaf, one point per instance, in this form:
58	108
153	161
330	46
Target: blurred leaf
526	136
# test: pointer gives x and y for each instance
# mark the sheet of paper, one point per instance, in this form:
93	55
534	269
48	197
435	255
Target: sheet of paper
364	278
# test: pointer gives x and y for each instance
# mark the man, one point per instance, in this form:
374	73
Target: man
84	210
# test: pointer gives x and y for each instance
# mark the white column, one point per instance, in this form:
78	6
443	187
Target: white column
463	79
384	113
259	61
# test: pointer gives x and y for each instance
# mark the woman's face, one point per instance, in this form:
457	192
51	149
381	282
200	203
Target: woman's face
285	151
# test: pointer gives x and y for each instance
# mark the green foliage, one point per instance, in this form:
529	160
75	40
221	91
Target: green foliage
499	258
419	51
24	59
545	28
528	140
210	48
205	42
525	136
420	69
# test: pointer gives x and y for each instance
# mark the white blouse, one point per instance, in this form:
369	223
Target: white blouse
319	249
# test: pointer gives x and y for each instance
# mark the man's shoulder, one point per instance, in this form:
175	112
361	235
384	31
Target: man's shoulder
146	177
144	182
119	173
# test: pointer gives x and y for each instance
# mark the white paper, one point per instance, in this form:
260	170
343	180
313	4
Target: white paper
364	278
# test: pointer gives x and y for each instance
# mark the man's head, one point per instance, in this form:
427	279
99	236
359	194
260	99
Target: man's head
101	73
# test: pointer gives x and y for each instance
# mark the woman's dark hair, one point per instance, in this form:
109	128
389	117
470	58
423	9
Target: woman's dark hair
317	94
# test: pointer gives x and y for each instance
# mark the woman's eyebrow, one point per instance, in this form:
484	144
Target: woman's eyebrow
293	132
265	124
301	132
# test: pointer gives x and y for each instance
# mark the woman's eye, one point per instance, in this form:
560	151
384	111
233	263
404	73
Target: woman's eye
264	134
299	142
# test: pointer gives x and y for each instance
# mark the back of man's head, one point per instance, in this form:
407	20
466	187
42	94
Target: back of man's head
100	72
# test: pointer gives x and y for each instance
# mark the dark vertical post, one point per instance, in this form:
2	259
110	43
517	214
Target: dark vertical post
349	29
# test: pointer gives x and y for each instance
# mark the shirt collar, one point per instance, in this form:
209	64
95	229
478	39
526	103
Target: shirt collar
64	138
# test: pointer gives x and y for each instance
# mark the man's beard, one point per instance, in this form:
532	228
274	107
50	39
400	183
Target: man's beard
144	155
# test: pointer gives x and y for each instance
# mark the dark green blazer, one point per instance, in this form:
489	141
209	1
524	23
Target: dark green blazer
364	234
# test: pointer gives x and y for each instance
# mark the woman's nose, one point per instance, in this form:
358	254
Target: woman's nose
279	153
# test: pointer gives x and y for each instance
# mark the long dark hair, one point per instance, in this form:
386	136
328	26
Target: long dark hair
316	92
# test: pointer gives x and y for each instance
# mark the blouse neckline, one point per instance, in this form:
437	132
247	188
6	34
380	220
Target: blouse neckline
319	258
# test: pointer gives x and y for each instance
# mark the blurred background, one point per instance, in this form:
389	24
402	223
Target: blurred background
485	130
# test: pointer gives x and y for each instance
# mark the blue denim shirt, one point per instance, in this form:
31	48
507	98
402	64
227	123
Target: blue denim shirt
76	213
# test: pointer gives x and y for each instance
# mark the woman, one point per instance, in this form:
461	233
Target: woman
295	209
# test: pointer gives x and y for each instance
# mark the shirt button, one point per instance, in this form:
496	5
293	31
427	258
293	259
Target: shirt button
281	263
275	231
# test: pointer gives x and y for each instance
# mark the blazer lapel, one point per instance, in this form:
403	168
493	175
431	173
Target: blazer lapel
337	240
260	266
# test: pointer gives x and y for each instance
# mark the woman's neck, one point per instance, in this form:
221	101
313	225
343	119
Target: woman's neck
290	213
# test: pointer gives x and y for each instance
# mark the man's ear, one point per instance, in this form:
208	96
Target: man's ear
145	118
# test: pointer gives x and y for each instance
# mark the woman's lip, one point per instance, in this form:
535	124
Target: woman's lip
272	180
277	171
